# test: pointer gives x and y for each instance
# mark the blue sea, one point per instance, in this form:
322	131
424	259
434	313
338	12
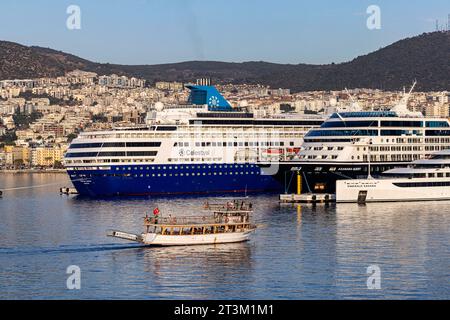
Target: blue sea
298	251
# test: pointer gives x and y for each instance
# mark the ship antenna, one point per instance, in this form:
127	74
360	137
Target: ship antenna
406	97
402	105
354	102
369	176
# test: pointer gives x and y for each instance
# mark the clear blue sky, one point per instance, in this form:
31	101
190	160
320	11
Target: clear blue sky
163	31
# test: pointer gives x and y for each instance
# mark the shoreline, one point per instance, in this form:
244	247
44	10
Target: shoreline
27	171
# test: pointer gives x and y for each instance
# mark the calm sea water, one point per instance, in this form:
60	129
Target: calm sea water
299	252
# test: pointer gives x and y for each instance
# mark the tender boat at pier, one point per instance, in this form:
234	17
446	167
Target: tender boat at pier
427	179
228	224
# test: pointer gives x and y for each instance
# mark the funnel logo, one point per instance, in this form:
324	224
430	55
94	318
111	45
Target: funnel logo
213	101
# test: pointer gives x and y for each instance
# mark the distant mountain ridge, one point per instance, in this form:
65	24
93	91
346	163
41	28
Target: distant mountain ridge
425	57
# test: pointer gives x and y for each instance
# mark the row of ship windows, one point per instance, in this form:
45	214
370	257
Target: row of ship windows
209	160
422	175
187	167
114	145
393	140
235	144
388	157
409	148
363	114
311	157
422	184
231	133
324	148
417	140
398	148
153	175
383	148
110	161
375	123
177	160
252	122
365	132
112	154
393	148
382	157
397	140
176	144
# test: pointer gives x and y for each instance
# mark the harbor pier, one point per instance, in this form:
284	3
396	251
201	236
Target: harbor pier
309	197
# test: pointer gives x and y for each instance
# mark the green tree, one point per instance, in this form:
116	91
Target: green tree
70	137
58	165
18	163
9	138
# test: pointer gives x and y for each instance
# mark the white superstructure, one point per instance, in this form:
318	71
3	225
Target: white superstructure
187	148
427	179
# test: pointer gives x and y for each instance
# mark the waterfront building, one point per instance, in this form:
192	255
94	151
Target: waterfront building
2	159
46	156
172	86
16	155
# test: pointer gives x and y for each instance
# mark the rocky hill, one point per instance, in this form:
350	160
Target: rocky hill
425	58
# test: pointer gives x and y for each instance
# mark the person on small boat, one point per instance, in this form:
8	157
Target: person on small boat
156	213
172	219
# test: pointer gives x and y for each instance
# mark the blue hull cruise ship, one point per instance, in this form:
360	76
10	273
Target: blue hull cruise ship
202	147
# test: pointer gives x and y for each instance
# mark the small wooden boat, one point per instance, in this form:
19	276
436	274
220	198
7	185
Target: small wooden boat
224	226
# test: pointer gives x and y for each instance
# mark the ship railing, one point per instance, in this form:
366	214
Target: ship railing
231	206
199	229
217	219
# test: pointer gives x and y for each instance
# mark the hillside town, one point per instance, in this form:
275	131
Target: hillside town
40	117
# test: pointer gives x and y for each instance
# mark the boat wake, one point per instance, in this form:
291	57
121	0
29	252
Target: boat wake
67	249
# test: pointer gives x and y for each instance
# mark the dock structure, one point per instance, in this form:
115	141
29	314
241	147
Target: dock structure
308	198
67	191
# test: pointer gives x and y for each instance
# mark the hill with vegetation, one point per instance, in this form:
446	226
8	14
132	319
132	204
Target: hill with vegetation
425	57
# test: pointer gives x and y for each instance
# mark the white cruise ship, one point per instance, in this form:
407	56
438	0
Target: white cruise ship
349	144
204	146
427	179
